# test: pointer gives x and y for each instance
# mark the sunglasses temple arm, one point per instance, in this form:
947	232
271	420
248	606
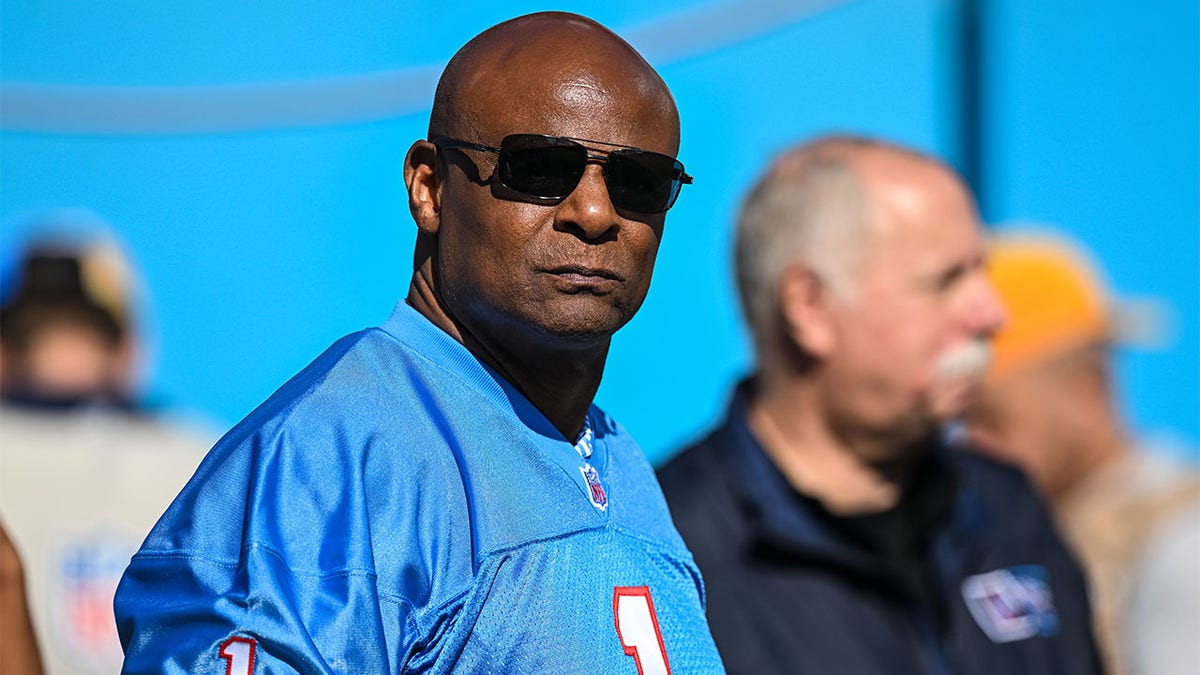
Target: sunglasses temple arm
452	143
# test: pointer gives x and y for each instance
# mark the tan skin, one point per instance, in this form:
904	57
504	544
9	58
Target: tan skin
1055	418
536	290
18	643
67	359
844	429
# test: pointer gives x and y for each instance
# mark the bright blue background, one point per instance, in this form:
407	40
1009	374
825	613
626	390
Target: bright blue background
250	156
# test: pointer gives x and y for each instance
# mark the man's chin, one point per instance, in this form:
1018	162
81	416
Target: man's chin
581	319
953	401
577	332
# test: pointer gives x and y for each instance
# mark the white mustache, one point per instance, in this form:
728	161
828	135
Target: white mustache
969	359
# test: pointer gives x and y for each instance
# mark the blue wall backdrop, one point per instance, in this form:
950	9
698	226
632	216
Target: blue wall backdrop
249	154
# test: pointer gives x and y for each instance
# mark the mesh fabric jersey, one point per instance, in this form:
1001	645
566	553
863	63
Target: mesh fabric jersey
398	507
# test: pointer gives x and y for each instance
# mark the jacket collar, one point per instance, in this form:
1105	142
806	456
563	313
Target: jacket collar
788	523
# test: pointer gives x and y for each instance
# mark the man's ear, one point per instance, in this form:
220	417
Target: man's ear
805	303
424	182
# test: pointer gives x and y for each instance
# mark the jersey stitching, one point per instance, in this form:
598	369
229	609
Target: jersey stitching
415	353
474	388
190	555
656	543
437	610
666	548
410	609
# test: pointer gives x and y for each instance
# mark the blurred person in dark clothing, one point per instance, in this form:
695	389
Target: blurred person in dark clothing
85	469
837	527
1049	405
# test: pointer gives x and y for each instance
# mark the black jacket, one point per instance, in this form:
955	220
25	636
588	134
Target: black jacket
792	590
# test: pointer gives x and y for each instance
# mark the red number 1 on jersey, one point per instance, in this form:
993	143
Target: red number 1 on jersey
637	626
238	653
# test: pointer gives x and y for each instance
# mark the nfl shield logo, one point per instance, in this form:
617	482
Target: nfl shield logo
87	573
595	489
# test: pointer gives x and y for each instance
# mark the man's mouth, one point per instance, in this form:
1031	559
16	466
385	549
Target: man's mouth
581	278
583	271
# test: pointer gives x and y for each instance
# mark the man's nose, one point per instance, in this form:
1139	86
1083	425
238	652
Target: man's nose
588	211
987	313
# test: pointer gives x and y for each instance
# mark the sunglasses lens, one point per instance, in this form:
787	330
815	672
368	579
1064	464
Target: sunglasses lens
541	166
642	181
549	167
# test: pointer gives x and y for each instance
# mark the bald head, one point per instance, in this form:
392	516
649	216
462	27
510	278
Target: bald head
531	259
861	267
813	206
539	61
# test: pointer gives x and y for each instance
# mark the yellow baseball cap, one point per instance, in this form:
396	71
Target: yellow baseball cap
1057	300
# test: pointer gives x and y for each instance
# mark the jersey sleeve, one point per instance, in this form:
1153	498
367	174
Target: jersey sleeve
263	564
187	614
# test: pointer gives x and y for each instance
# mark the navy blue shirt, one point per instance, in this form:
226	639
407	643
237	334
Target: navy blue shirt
985	586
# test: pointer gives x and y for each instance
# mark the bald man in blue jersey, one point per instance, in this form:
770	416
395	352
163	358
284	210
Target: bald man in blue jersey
439	494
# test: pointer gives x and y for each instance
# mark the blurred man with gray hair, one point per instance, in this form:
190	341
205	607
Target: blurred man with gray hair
837	527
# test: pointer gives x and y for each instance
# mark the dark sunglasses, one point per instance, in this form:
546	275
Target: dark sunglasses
549	167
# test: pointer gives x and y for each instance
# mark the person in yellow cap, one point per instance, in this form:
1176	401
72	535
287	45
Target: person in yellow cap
1049	405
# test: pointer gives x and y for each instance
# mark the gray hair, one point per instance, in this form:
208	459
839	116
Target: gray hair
809	207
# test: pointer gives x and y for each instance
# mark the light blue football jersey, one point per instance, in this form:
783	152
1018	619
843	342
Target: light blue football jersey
397	507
